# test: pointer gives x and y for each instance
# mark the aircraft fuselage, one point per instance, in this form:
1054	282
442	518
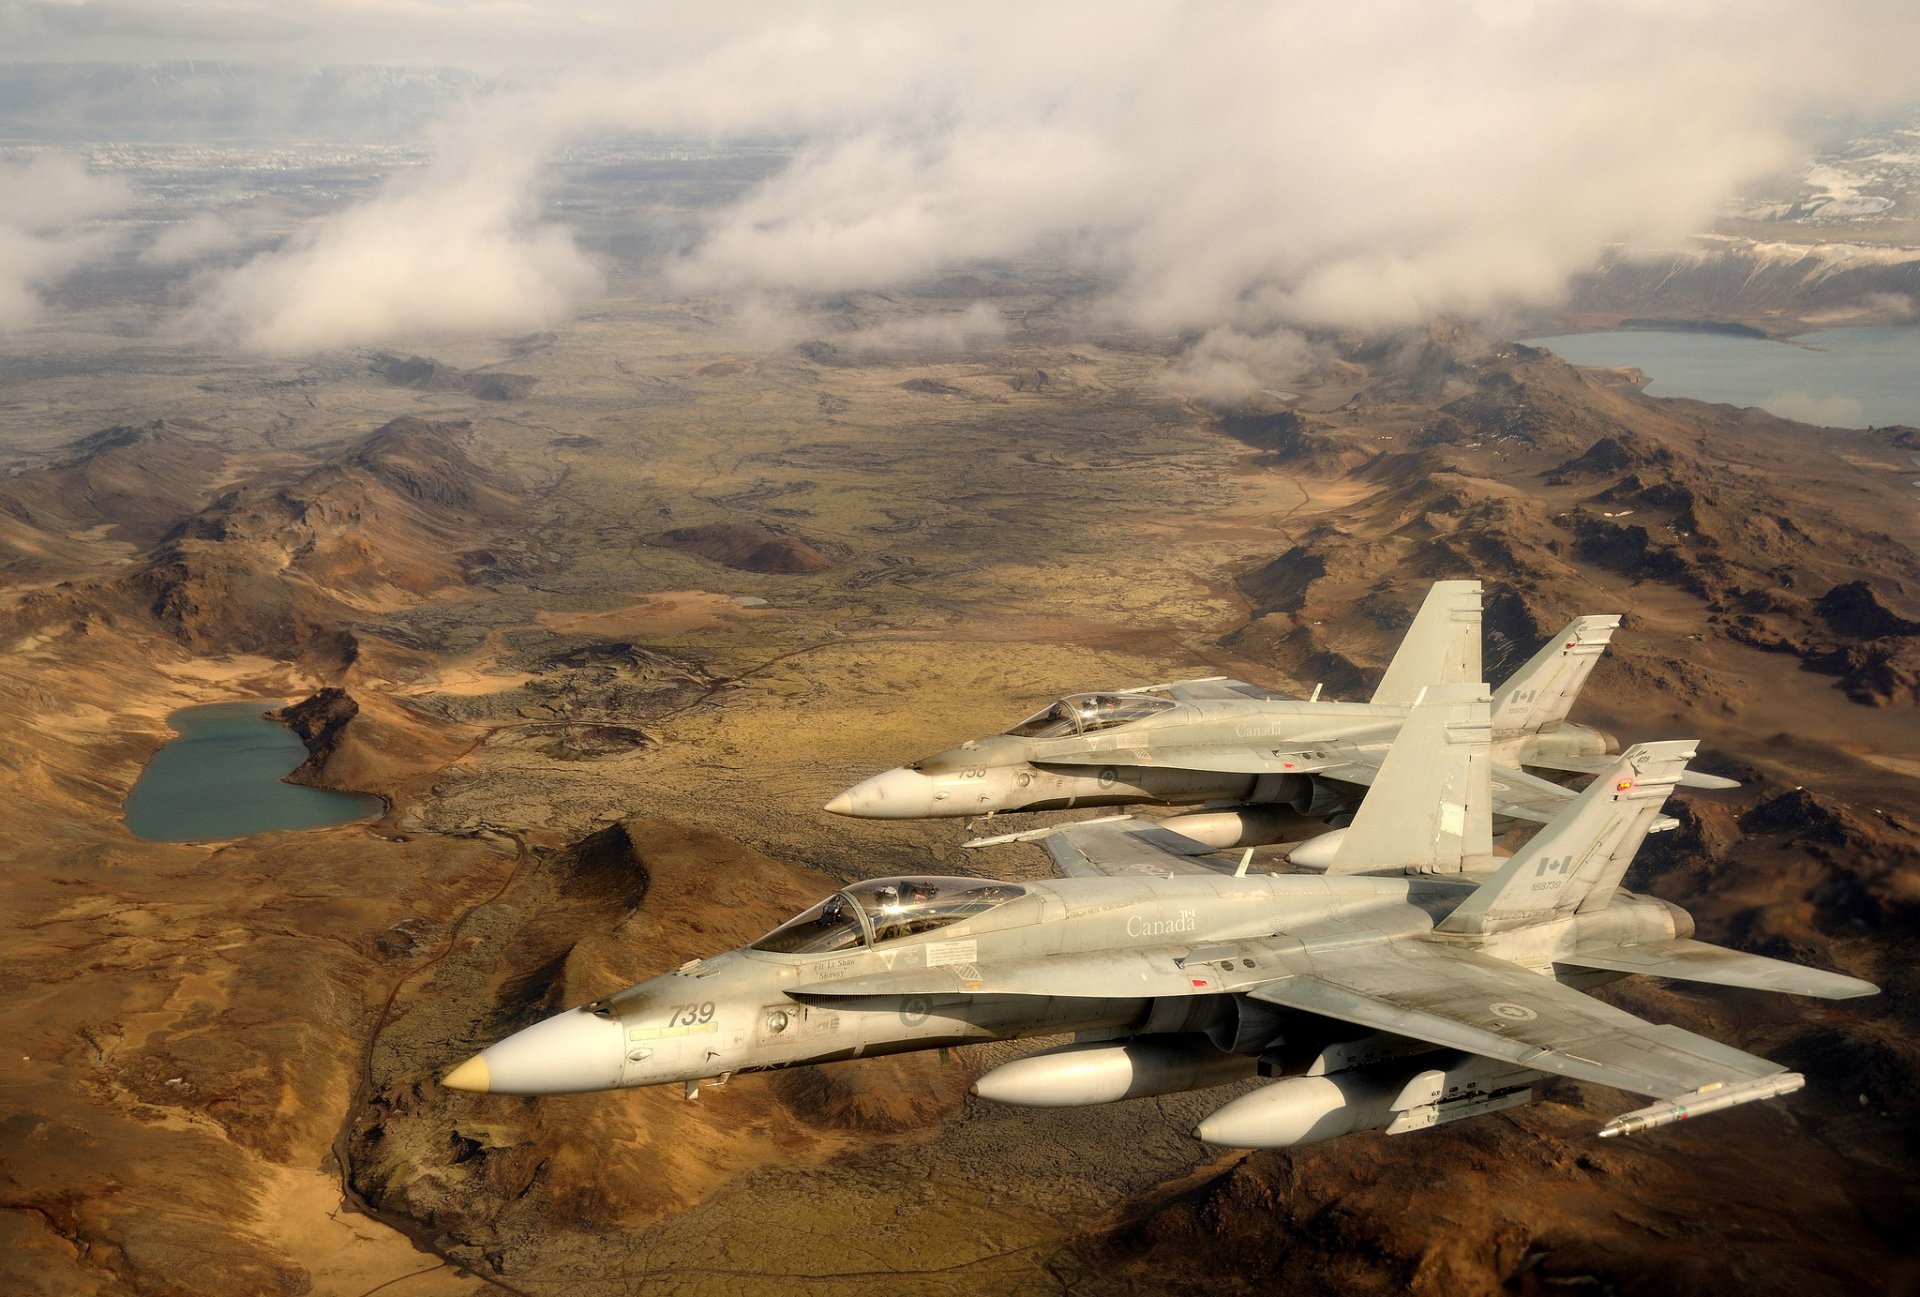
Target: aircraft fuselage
1130	956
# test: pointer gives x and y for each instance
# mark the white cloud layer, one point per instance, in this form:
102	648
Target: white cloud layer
1235	169
46	205
459	250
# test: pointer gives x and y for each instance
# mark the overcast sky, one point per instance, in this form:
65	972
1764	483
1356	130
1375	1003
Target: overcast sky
1239	169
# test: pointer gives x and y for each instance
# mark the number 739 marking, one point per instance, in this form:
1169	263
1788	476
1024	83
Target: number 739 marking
685	1015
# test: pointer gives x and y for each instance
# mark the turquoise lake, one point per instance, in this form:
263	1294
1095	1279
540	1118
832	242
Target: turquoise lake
1837	378
221	779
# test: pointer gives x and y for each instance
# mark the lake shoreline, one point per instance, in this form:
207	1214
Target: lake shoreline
226	776
1852	377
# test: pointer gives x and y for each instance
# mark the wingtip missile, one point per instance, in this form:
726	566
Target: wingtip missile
1708	1098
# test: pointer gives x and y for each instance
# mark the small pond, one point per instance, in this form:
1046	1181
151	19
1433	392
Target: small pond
221	779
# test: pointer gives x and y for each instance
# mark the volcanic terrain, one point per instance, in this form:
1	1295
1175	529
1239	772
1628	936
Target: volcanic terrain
606	644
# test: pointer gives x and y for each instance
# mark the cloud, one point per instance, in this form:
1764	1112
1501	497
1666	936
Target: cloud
1306	164
1226	366
1828	411
1251	165
460	249
46	205
186	241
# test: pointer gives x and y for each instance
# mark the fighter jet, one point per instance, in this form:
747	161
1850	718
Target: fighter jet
1413	980
1272	767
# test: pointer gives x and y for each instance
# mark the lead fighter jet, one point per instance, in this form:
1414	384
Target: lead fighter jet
1416	981
1271	766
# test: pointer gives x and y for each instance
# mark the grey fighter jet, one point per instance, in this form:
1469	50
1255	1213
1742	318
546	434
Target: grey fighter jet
1272	767
1415	980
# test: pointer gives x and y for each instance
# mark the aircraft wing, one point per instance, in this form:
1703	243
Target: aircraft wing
1686	960
1129	846
1460	999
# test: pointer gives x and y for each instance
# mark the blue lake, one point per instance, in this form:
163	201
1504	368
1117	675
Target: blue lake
221	779
1837	378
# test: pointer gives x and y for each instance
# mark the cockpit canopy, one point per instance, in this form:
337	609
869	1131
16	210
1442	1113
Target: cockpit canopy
1085	713
885	909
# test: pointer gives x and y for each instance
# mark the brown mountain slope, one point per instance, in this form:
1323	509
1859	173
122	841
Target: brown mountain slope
1567	489
270	567
748	547
133	484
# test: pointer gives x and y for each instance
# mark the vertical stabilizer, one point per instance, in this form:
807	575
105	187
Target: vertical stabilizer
1430	809
1541	693
1442	647
1576	862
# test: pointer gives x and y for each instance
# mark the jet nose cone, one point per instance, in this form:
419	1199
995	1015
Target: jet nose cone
898	794
470	1076
568	1053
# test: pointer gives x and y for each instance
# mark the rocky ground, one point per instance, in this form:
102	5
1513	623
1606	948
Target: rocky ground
606	632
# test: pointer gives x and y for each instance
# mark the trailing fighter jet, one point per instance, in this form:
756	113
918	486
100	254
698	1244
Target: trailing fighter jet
1273	766
1414	980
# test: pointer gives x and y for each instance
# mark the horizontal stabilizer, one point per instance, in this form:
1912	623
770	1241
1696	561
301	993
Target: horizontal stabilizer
1686	960
1595	765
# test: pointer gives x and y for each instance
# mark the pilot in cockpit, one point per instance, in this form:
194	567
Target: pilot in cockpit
889	918
1095	709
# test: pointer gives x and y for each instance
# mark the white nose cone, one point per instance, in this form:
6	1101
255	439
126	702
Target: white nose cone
898	794
569	1053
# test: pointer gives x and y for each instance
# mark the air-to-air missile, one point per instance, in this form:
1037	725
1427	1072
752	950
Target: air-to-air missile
1410	978
1274	768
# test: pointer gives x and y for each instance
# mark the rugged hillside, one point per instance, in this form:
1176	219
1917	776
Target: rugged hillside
748	547
1567	489
424	374
274	566
1783	284
130	484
